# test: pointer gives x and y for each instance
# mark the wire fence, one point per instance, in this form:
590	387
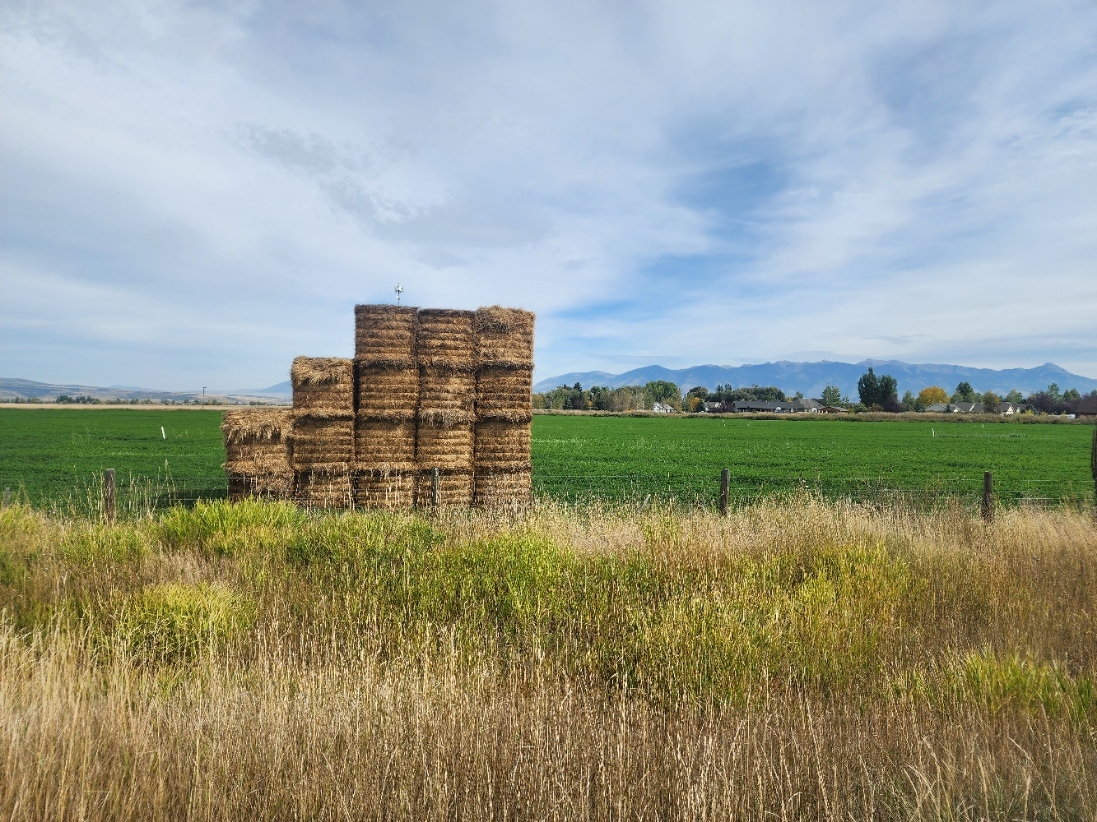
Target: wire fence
137	495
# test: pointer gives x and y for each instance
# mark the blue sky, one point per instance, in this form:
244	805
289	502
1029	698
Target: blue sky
194	193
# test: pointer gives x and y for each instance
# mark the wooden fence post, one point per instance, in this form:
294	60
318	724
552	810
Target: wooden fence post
108	496
725	478
1093	469
435	490
988	496
7	496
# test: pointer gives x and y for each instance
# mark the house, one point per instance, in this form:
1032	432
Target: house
967	408
806	406
833	409
1086	407
1009	408
713	407
939	408
662	408
755	407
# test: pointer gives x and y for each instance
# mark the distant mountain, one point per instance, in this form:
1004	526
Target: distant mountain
12	388
812	377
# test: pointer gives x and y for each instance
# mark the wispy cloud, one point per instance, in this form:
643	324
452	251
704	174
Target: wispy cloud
193	194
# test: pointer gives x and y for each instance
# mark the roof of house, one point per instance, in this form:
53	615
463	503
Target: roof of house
1086	405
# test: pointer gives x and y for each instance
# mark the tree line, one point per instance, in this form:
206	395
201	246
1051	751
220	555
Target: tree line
875	392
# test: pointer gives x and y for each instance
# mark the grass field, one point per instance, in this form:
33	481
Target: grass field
795	660
56	456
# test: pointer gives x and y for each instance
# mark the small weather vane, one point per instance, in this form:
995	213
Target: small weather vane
399	290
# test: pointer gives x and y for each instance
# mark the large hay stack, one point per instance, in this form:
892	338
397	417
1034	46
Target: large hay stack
257	453
504	385
447	401
434	409
322	438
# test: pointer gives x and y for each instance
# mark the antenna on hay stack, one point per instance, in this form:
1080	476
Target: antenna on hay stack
399	290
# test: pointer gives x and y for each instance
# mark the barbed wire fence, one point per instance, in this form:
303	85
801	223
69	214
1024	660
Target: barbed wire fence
115	494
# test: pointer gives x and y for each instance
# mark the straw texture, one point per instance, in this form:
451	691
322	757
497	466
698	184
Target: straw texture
322	489
454	489
260	486
384	445
384	333
448	447
446	338
502	489
504	393
385	489
502	445
256	441
387	391
446	396
323	384
322	443
504	336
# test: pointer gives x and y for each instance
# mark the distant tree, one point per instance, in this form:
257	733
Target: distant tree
1071	394
1053	392
1014	396
831	395
868	388
665	392
964	393
990	401
909	401
931	395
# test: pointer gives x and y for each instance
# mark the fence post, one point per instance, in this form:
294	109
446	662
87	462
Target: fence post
108	496
435	491
725	478
7	496
988	496
1093	469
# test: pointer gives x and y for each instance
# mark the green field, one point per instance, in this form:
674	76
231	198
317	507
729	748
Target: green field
57	456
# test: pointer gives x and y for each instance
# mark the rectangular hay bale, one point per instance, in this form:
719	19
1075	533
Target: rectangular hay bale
387	391
260	486
446	395
504	336
323	384
322	443
384	444
323	489
385	333
454	489
501	444
504	393
446	338
385	489
503	489
444	446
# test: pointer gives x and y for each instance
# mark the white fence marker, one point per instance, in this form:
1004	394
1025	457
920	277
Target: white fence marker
162	434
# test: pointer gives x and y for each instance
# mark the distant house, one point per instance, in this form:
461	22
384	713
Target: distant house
967	408
1009	408
806	406
714	407
661	408
756	407
833	409
939	408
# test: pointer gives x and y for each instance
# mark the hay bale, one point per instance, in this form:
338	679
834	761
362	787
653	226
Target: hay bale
454	489
501	444
256	441
323	489
323	384
444	446
387	391
446	338
447	396
322	442
503	489
260	486
383	444
385	489
504	393
504	336
385	333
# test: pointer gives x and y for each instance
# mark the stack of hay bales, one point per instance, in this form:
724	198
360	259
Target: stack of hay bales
387	397
257	454
446	348
504	386
322	436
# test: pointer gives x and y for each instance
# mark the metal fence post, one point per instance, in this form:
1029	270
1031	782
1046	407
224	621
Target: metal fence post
108	496
988	496
725	480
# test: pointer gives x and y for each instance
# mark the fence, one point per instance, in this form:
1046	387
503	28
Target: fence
112	494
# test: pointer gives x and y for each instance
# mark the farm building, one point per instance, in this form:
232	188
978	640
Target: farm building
434	409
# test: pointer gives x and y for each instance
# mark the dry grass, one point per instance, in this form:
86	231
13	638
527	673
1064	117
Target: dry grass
792	661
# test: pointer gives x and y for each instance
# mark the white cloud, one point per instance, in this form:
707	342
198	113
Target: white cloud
213	180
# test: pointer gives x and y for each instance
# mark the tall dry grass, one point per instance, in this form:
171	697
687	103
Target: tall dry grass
795	660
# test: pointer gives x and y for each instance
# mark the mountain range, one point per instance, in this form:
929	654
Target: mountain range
812	377
12	388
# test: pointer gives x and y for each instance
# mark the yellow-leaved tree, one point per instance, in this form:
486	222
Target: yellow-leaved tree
932	394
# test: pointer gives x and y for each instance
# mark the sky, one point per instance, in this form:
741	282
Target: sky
194	193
